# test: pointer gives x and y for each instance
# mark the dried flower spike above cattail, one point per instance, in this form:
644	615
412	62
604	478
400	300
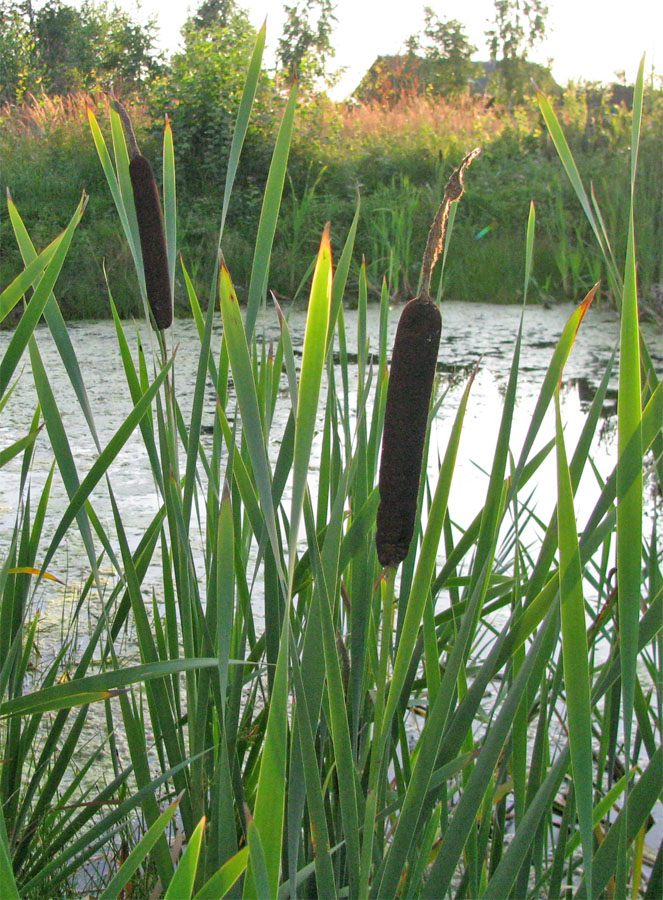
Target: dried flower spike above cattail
150	228
413	363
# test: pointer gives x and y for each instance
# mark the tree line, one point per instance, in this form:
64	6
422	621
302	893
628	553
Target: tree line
58	48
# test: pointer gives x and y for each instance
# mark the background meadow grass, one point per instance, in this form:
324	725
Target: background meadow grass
398	158
282	758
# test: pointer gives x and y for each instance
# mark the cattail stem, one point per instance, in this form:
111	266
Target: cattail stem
127	127
438	230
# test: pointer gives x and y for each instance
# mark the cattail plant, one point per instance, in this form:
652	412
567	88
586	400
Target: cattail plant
413	363
150	228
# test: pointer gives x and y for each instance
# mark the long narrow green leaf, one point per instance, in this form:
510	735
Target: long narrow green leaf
140	852
269	810
629	480
269	214
247	398
242	121
38	301
313	360
574	650
170	202
258	866
8	887
181	884
216	887
103	462
104	681
23	282
56	324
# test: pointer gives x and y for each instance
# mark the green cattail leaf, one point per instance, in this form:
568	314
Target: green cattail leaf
341	275
13	450
38	301
261	887
104	681
242	121
575	651
8	886
529	249
636	124
571	169
552	377
170	202
313	360
225	582
629	478
269	812
57	325
313	790
126	194
111	178
220	883
629	492
247	399
269	809
140	852
103	462
182	882
18	287
269	214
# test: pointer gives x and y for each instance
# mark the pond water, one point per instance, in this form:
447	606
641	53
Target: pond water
473	334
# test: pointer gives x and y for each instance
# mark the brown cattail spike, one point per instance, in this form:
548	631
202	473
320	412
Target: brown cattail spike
413	363
150	228
152	240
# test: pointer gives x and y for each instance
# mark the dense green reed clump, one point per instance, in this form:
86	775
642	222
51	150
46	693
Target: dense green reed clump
244	702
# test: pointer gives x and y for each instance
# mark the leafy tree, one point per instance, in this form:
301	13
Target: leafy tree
518	26
61	49
437	62
126	51
447	51
201	90
17	49
305	46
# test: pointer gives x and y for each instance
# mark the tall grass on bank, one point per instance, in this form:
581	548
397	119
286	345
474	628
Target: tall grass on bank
399	158
281	756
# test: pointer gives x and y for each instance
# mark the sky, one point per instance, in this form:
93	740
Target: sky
586	39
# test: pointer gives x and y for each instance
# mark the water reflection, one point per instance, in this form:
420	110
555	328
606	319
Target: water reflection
473	334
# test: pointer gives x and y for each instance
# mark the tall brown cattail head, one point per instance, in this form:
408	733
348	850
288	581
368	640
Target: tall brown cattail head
413	362
150	228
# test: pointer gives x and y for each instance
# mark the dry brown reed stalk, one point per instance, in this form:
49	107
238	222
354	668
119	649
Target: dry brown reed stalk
150	227
413	363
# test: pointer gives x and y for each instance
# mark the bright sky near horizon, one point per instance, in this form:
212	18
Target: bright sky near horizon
588	39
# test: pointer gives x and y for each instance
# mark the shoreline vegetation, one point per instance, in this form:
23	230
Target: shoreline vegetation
394	160
255	757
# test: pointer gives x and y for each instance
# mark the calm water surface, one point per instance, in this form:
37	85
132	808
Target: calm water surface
482	334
